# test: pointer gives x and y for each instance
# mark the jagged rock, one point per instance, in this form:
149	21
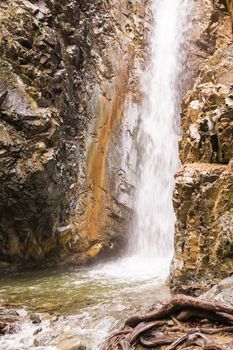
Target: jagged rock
203	198
10	320
222	291
64	73
203	242
95	250
207	110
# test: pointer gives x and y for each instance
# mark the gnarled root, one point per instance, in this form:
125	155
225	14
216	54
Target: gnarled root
171	324
157	339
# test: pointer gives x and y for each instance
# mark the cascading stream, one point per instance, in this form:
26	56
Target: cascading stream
153	231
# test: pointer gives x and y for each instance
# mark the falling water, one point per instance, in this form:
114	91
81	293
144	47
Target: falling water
88	303
150	246
153	231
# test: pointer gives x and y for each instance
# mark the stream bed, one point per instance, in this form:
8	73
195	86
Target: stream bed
73	308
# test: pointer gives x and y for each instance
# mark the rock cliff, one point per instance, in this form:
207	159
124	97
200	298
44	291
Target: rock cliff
68	87
64	76
203	197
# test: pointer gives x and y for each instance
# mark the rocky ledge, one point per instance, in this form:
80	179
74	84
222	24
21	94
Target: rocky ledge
203	202
203	198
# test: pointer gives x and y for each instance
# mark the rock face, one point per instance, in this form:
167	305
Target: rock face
68	90
221	292
64	74
203	197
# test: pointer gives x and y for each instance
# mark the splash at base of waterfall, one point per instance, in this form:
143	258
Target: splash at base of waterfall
78	306
135	268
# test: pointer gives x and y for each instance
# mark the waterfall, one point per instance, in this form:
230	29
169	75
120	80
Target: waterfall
158	159
154	152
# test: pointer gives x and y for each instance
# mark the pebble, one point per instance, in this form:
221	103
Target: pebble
35	318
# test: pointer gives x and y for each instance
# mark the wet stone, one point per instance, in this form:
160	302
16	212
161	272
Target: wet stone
35	318
71	344
21	313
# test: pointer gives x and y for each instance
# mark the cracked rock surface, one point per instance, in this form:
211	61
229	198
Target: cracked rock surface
64	72
203	198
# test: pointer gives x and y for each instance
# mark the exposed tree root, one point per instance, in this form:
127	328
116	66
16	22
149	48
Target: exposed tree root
183	323
157	339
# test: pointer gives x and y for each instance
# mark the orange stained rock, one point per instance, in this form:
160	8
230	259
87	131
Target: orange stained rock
109	113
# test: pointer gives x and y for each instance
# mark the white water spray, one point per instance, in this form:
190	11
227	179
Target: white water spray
150	245
153	231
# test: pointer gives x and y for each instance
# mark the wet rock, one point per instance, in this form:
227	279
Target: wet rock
43	339
8	328
63	230
208	125
95	250
35	318
72	343
207	109
203	240
204	184
37	331
9	321
64	73
221	292
21	313
35	165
